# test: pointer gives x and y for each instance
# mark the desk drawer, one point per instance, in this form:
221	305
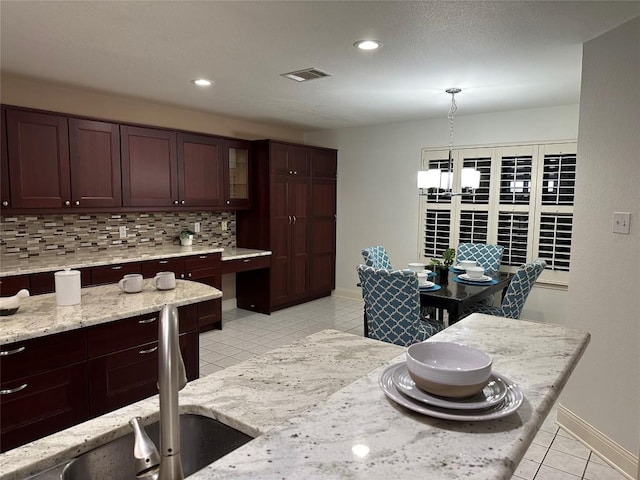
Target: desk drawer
206	260
244	264
151	267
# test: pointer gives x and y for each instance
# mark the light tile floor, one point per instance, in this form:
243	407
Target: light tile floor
553	455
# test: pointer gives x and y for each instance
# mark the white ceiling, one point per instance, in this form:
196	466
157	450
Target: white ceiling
505	55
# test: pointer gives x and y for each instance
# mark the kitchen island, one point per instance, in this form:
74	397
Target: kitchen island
310	403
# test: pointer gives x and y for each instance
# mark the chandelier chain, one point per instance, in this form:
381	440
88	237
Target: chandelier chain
452	110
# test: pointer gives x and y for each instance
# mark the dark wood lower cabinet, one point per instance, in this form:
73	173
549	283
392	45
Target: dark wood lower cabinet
127	376
42	404
54	382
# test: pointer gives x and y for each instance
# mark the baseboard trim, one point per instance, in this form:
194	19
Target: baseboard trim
348	293
614	454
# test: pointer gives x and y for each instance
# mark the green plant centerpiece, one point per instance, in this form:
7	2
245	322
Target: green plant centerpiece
186	236
441	267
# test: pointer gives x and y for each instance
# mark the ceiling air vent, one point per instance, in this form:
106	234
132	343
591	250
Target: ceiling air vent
306	74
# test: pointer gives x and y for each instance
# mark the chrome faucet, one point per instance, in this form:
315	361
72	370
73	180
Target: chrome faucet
171	378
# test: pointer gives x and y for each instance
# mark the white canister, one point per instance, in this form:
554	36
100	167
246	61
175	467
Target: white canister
67	287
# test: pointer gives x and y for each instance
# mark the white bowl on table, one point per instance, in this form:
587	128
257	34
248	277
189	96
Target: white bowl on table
417	267
464	264
475	273
448	369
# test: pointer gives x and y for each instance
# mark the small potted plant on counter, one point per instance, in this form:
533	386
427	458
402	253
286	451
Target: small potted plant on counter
442	267
186	237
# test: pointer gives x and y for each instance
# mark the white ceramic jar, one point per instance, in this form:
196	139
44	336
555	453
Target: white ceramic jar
68	287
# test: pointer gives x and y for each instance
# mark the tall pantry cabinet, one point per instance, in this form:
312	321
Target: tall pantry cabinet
294	217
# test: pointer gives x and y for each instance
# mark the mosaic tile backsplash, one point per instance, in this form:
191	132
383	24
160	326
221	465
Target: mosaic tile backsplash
33	235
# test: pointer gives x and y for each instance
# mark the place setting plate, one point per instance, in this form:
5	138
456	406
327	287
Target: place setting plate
482	279
510	402
429	287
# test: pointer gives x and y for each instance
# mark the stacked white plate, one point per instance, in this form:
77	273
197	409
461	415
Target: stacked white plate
499	398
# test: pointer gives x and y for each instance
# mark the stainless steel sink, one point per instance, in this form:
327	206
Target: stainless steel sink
203	441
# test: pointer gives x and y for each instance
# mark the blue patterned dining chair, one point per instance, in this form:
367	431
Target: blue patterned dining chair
486	256
392	303
376	257
517	292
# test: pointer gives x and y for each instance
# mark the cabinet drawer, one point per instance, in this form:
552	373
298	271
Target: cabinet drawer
9	286
20	359
115	336
151	267
50	401
244	264
45	282
197	262
113	273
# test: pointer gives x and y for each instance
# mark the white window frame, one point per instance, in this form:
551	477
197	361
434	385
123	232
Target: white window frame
535	208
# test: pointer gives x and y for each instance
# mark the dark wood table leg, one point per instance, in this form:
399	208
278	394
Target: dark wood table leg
454	314
366	323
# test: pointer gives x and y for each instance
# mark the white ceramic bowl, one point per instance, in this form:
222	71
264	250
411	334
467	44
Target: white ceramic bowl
467	264
417	267
475	272
448	369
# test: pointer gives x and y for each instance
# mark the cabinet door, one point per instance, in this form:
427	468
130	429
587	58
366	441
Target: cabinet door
299	161
5	196
299	208
11	285
200	175
236	173
94	149
42	404
38	150
279	154
149	167
322	236
324	163
280	240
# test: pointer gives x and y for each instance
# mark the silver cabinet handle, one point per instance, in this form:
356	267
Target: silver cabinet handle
5	204
4	353
147	320
294	219
247	260
175	202
295	172
117	267
228	202
189	275
150	350
182	275
67	203
182	202
202	257
162	262
289	216
290	172
77	202
13	390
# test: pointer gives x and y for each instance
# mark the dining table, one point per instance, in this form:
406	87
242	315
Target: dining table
455	295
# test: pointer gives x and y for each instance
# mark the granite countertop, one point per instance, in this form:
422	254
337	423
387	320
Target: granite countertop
311	402
39	315
48	263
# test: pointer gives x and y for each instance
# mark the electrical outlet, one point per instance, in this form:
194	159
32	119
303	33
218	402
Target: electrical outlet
196	227
123	231
225	226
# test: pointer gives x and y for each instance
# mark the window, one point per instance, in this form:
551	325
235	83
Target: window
524	203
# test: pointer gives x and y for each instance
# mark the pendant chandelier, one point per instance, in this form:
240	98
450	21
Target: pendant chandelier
442	180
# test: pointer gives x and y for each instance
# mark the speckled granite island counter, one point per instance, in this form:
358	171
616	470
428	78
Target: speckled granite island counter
309	404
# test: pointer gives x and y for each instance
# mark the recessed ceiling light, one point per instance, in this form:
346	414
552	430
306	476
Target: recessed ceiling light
202	82
367	44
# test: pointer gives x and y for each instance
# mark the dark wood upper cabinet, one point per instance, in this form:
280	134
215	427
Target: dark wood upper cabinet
237	173
200	172
149	167
289	159
5	194
38	150
323	163
95	163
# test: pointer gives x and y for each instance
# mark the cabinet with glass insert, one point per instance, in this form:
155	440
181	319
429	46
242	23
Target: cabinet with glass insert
236	173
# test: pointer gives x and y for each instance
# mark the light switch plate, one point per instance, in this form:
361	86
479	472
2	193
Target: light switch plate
621	222
123	231
196	227
224	225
